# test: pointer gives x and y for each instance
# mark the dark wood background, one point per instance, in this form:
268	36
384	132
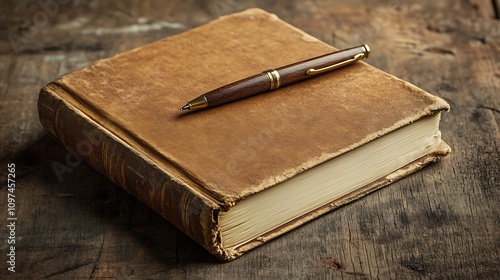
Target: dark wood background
442	222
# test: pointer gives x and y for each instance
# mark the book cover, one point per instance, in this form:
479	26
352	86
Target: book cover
122	116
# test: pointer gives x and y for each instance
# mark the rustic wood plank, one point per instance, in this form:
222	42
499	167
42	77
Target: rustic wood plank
439	223
484	8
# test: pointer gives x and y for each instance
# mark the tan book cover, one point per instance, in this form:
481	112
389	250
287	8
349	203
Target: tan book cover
122	116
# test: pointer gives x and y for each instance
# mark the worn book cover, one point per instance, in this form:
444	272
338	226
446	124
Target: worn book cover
122	116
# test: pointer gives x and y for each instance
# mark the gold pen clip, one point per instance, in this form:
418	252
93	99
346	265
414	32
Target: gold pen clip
357	57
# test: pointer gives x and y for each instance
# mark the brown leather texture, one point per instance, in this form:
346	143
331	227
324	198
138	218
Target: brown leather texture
244	147
197	163
164	192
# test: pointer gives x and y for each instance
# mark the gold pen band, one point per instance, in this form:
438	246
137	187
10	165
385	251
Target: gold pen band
274	79
198	103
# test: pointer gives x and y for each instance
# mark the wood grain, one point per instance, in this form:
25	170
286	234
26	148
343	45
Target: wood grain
439	223
237	90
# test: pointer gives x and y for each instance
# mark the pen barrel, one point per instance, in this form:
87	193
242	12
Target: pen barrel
298	71
273	79
238	90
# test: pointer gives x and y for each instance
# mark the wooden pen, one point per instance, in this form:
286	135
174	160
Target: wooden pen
275	78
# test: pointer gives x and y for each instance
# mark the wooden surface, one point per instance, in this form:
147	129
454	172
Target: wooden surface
442	222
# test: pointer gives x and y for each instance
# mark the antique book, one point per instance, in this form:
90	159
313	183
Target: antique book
236	176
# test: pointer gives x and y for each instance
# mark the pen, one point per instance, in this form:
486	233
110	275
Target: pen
274	78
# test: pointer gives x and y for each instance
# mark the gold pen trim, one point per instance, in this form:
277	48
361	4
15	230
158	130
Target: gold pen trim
274	78
365	54
357	57
367	50
198	103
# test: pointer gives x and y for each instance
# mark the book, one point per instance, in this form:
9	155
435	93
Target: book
236	176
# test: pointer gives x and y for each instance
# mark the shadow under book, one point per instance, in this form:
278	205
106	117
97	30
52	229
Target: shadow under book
235	176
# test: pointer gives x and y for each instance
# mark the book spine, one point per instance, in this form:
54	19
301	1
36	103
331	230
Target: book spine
187	209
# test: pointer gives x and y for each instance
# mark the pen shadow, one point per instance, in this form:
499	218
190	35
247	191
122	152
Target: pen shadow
201	112
184	114
234	105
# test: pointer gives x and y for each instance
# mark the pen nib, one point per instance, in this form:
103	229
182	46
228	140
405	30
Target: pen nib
185	107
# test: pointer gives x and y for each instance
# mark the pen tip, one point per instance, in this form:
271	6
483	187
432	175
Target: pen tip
185	107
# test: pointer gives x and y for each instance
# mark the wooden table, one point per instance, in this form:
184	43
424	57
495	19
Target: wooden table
442	222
